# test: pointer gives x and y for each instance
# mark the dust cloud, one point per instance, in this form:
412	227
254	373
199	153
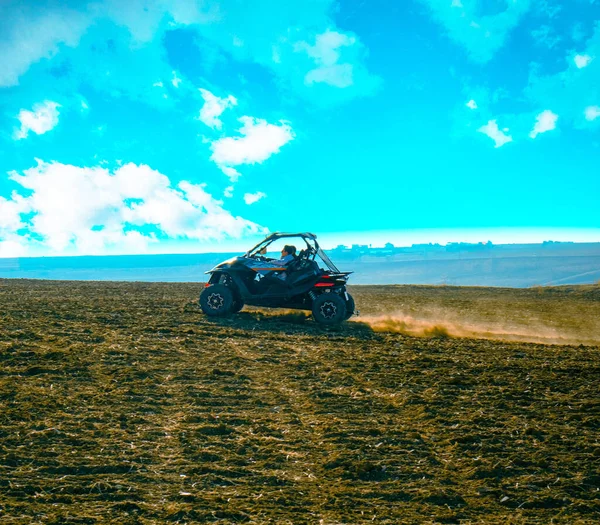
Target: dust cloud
441	324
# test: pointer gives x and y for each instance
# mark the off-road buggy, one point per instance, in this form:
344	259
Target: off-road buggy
302	284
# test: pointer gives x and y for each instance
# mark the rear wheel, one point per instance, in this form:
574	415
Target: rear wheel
238	304
329	309
350	307
216	300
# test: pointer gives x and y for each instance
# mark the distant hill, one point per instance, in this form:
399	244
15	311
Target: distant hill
511	265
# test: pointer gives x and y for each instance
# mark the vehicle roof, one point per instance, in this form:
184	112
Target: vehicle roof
277	235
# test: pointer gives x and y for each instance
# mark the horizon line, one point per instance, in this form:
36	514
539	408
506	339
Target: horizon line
349	247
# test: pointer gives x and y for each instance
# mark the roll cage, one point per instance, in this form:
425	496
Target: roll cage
312	250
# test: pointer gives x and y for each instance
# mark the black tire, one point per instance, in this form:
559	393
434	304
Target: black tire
350	307
329	309
238	304
216	300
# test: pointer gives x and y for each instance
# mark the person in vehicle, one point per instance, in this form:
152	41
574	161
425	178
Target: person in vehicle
288	253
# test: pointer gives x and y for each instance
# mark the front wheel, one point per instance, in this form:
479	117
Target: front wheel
329	309
216	300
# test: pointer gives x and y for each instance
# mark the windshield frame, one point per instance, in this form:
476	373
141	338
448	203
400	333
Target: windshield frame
252	252
311	243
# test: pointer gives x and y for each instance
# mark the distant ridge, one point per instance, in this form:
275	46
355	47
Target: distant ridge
481	264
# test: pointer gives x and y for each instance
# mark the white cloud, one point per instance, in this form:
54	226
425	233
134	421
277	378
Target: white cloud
326	54
471	104
265	36
492	131
94	211
42	119
13	246
258	141
10	213
228	192
582	61
546	36
34	31
592	113
213	108
143	18
175	79
480	27
569	91
338	75
232	173
276	55
545	121
251	198
31	33
326	50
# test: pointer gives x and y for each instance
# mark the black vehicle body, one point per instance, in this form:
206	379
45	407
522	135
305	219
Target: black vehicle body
254	280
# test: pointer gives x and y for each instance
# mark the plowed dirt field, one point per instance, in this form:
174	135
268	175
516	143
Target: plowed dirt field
121	403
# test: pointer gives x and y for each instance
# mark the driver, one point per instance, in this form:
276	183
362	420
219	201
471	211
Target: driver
287	254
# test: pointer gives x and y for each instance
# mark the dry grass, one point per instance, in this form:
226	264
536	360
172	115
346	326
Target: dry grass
122	403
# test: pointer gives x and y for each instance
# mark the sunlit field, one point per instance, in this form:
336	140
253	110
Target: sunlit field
122	403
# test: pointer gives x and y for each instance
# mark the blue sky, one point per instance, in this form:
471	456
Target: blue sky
161	126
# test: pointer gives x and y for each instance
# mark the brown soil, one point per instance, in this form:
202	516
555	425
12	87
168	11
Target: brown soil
122	403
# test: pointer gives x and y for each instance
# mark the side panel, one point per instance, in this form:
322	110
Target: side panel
234	279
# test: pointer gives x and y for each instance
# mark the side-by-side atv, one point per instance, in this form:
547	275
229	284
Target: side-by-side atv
310	281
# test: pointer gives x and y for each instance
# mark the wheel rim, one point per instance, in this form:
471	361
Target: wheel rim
215	301
328	310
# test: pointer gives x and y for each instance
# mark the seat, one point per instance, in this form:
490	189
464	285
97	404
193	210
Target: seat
301	270
297	271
